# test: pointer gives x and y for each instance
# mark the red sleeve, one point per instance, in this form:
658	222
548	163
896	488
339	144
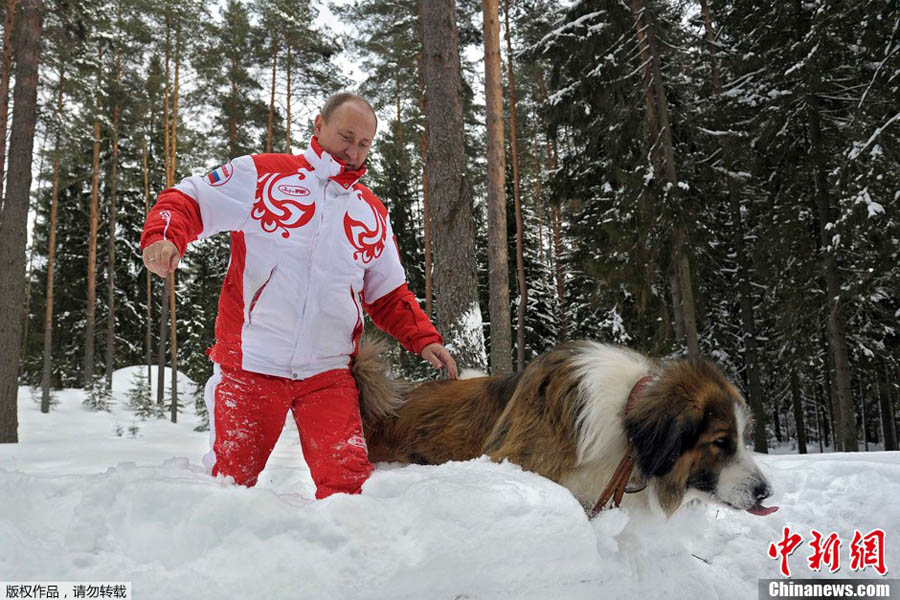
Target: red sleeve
399	314
175	217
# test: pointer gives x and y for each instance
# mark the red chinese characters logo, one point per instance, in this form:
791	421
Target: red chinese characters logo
368	240
868	551
865	551
826	551
789	542
278	204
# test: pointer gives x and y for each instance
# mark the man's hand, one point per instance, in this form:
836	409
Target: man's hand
439	358
161	258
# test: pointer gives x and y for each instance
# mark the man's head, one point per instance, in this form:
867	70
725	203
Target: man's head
346	127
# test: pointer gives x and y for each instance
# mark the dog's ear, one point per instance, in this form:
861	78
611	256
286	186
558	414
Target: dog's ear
660	435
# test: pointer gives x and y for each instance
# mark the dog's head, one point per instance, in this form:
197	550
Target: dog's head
687	429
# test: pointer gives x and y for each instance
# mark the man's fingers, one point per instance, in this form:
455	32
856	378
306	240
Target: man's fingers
450	363
161	257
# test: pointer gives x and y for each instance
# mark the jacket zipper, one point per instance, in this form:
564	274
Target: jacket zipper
309	262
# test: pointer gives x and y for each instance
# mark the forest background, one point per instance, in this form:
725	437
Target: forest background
703	178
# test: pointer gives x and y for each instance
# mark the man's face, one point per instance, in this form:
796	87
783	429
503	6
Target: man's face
347	134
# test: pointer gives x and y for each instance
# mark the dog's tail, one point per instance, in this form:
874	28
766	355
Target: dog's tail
380	395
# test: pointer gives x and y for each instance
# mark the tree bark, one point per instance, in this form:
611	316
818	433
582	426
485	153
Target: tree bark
113	193
832	282
776	421
287	117
90	317
888	424
560	272
862	410
29	276
455	280
272	98
173	350
520	229
748	321
662	153
822	408
8	30
14	216
148	334
161	348
47	373
498	254
799	421
173	344
423	142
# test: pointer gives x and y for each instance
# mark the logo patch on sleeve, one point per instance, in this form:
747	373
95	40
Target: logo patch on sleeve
220	176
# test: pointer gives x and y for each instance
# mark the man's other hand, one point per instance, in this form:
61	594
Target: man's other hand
161	257
440	358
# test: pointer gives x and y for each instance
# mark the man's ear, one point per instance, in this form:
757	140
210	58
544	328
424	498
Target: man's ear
317	125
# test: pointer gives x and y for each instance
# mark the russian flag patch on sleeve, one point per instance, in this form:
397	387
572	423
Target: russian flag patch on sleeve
220	176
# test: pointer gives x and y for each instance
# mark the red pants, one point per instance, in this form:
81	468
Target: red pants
247	412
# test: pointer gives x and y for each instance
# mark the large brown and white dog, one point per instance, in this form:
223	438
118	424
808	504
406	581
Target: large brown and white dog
564	417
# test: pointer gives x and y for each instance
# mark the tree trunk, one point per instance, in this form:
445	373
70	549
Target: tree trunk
832	282
689	307
47	372
520	230
830	397
498	256
862	410
113	192
656	105
6	66
173	344
287	117
272	98
14	217
455	280
776	421
173	138
29	276
817	409
537	201
423	143
560	273
799	421
148	334
748	321
90	318
822	408
173	350
161	348
888	424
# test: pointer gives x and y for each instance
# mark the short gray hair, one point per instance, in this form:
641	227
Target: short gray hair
335	101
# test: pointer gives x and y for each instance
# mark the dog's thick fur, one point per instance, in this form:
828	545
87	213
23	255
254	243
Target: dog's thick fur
564	417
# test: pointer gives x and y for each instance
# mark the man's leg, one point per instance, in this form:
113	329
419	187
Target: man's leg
246	417
326	409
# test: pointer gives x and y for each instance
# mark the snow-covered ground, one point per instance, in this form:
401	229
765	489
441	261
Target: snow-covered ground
84	499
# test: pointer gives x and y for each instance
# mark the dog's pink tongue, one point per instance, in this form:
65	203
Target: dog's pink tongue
762	511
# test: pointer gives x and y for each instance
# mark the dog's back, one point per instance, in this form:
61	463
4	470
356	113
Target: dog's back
431	423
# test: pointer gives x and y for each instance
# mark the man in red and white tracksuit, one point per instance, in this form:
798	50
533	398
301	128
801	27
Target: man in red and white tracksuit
311	248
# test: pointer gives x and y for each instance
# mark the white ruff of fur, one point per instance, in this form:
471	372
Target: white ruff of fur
606	375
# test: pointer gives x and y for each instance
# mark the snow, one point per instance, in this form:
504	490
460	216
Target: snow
81	503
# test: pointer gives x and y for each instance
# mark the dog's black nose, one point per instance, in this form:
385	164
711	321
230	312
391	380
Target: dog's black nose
762	491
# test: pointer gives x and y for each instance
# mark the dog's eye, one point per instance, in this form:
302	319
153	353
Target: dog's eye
721	442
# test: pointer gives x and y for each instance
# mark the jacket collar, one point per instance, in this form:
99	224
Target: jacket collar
326	166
